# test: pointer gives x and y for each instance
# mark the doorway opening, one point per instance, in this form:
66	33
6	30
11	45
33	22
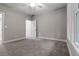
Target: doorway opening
1	26
31	29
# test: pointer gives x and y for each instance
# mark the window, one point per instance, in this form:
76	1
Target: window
77	27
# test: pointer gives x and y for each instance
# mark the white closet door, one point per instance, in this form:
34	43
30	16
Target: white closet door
28	29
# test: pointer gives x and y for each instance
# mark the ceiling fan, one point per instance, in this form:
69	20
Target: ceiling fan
33	5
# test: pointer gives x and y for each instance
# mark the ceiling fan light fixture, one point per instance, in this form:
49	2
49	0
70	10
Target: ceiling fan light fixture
32	4
35	5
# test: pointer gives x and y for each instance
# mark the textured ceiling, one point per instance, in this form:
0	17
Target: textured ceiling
45	7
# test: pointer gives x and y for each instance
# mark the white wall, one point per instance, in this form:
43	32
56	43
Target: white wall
52	24
15	22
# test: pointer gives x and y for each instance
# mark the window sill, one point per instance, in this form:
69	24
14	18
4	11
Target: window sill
76	46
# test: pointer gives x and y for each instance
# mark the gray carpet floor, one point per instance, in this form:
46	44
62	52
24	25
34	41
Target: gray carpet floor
28	47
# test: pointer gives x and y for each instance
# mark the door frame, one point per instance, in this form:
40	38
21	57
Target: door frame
3	24
31	29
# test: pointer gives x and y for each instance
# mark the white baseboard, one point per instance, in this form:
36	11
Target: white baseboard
52	39
13	40
34	39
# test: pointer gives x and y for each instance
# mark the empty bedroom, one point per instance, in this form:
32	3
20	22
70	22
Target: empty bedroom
33	29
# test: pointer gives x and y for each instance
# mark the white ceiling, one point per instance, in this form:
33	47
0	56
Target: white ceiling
23	7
